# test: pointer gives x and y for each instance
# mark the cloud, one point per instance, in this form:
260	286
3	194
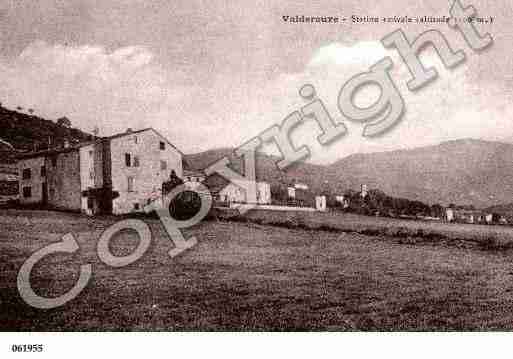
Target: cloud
87	83
361	53
458	104
129	87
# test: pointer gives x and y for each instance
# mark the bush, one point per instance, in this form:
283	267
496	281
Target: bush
185	205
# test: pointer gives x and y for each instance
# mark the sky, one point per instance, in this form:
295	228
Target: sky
210	74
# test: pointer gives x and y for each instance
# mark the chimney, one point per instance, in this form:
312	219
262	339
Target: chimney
129	130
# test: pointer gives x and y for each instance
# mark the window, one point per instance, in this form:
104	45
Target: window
27	192
136	206
136	161
130	184
128	159
27	173
91	174
163	165
91	153
162	145
54	161
135	139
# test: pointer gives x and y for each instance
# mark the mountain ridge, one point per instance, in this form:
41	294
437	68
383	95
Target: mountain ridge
28	132
462	171
465	171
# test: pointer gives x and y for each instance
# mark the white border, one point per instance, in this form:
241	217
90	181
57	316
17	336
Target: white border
260	345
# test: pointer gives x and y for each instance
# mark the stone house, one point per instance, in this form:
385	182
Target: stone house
117	174
232	193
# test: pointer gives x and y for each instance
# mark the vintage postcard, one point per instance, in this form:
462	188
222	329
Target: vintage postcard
254	166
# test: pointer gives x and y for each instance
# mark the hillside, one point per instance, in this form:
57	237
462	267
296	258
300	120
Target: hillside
27	133
505	210
266	167
462	172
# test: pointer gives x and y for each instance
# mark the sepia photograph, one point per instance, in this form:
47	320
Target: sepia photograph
279	167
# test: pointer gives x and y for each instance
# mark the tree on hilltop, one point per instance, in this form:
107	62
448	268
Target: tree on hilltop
64	121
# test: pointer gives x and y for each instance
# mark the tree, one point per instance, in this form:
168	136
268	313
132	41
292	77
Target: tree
279	192
437	210
173	182
64	121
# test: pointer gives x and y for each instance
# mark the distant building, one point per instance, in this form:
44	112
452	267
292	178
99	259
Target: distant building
9	187
32	179
320	203
301	186
364	191
342	200
299	194
232	193
449	214
263	193
117	174
471	216
193	176
193	179
291	192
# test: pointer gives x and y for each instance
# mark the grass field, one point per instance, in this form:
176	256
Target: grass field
404	230
247	276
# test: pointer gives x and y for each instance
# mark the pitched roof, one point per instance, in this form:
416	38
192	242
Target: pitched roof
188	172
123	134
127	133
49	152
53	151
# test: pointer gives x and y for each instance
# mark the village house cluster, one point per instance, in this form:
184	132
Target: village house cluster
120	174
117	174
125	172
